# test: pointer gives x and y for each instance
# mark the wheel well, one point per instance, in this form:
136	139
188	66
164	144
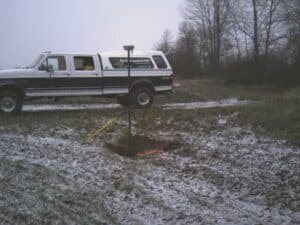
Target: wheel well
146	84
12	88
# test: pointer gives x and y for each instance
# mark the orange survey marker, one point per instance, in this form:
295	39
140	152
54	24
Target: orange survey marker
149	152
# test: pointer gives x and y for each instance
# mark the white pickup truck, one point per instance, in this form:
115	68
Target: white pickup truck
105	74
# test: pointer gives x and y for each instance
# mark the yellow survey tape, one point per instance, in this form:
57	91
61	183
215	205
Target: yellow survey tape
91	137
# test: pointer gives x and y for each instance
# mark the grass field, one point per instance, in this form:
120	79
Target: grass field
277	112
221	165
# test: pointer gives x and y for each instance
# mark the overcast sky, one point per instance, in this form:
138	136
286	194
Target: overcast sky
29	27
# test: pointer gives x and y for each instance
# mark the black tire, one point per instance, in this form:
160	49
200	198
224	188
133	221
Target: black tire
123	101
143	97
10	103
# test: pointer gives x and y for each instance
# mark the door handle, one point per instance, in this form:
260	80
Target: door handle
68	74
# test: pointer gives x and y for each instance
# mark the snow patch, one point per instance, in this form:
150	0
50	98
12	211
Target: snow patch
209	104
66	107
186	106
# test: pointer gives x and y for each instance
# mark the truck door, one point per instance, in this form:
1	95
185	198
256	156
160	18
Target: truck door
50	82
86	75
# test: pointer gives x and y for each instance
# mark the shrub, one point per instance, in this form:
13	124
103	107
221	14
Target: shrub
266	70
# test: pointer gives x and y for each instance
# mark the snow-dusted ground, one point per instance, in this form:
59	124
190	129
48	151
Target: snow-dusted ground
227	175
190	105
66	107
208	104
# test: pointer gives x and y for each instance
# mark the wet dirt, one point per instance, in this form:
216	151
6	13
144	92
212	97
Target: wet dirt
222	173
142	146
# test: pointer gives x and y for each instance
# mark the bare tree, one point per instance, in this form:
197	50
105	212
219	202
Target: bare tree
255	30
186	50
246	36
260	21
269	25
210	19
165	44
292	20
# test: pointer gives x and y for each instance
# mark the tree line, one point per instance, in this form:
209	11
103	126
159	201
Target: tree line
246	41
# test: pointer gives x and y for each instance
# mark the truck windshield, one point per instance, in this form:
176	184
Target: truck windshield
36	61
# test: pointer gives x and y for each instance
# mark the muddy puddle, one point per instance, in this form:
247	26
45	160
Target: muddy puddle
141	146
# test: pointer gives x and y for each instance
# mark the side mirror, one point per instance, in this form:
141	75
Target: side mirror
50	69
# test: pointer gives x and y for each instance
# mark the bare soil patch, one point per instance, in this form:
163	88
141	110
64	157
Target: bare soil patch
141	145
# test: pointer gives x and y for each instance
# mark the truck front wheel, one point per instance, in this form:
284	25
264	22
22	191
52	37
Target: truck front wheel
10	102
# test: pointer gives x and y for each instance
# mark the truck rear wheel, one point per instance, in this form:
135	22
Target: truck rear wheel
10	102
143	97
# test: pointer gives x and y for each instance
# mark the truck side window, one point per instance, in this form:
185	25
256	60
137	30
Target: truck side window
122	63
160	62
84	63
57	62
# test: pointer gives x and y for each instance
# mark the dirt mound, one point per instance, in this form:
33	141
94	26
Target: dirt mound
142	146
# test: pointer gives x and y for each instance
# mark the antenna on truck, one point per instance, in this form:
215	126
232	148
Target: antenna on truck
129	49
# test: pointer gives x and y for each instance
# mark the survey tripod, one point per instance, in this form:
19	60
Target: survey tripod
129	49
130	105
